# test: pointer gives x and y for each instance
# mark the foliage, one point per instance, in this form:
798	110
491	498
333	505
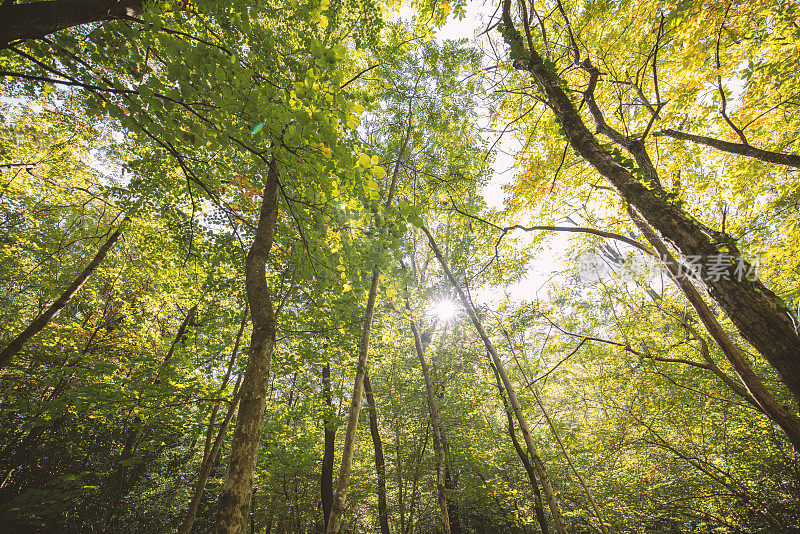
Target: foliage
172	121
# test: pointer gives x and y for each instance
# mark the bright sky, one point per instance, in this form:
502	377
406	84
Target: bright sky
548	262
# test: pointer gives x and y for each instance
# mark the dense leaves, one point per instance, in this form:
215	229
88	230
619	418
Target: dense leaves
164	125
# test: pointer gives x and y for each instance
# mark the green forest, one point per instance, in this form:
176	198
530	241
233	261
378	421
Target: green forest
351	266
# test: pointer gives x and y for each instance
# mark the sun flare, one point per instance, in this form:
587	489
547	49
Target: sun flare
444	309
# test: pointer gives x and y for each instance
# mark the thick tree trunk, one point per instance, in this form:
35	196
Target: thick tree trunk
34	20
754	309
438	441
335	520
550	495
380	466
523	456
38	324
792	160
211	449
755	387
326	478
234	504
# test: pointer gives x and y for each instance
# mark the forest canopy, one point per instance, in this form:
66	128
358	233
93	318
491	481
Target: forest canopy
306	266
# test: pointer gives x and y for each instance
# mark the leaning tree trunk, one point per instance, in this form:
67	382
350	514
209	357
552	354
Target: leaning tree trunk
234	502
335	519
755	310
438	442
755	387
380	465
523	456
550	496
34	20
38	324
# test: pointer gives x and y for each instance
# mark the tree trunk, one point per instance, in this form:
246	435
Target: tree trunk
116	480
326	478
210	451
234	504
38	324
399	476
207	465
380	467
755	387
755	310
179	337
34	20
438	442
550	495
450	483
529	384
335	520
420	456
523	456
337	508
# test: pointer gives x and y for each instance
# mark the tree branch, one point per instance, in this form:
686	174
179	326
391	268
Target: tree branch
741	149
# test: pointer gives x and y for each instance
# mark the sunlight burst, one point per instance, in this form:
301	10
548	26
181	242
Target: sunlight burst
444	309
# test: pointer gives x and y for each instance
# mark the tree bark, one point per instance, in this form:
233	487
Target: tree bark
380	466
234	504
438	442
399	476
337	508
420	456
523	456
754	310
791	160
755	387
211	450
550	496
34	20
326	477
335	520
38	324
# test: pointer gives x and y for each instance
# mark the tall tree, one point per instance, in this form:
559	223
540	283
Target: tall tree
550	495
380	464
236	493
335	519
755	310
326	475
438	437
